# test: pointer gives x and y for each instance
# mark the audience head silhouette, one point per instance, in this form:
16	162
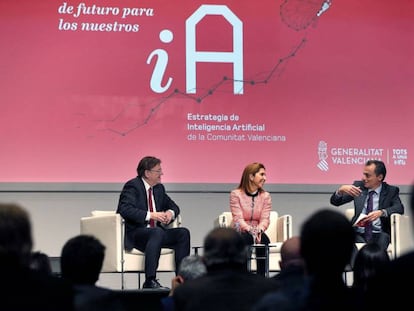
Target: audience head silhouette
21	287
368	261
327	240
224	247
191	267
15	235
40	262
227	285
81	259
290	254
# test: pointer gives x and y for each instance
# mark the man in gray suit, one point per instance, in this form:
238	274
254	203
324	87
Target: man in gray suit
376	226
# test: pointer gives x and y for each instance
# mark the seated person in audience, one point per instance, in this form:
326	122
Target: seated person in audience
376	227
292	265
23	288
227	285
289	282
191	267
393	279
291	261
369	259
81	263
327	240
250	206
146	208
40	262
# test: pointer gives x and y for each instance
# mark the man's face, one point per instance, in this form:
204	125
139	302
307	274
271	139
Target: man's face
154	175
371	181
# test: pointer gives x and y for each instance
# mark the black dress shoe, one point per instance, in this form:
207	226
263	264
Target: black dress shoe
153	284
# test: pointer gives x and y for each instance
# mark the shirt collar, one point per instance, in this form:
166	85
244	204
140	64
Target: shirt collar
377	190
146	185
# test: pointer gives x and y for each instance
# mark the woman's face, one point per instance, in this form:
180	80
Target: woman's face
257	180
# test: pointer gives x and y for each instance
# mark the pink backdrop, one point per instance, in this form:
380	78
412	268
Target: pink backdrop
325	86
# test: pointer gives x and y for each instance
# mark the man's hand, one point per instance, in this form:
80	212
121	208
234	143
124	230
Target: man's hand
175	281
350	189
373	216
168	217
159	216
163	217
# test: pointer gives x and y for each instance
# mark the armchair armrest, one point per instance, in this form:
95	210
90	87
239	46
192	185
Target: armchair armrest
225	219
108	229
284	227
401	236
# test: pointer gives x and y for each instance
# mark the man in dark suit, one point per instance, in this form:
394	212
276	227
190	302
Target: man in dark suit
376	226
147	208
227	285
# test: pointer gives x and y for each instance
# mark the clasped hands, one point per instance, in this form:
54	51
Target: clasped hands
256	233
163	217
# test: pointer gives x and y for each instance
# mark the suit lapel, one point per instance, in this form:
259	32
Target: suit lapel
360	201
143	193
157	197
383	195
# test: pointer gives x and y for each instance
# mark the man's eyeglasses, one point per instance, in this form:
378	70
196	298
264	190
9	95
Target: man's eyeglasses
156	171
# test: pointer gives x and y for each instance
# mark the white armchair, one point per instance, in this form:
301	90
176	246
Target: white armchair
401	236
279	230
108	227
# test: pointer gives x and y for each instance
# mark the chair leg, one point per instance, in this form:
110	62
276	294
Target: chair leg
139	280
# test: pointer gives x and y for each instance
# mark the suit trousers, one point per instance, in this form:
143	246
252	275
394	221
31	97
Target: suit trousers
151	240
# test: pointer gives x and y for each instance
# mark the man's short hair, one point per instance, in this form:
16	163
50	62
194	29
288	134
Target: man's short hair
327	241
224	246
82	259
192	267
380	168
15	234
147	163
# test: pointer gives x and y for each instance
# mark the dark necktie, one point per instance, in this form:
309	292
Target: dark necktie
151	207
370	206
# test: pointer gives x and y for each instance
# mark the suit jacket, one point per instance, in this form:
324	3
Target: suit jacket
222	290
133	206
245	215
389	200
